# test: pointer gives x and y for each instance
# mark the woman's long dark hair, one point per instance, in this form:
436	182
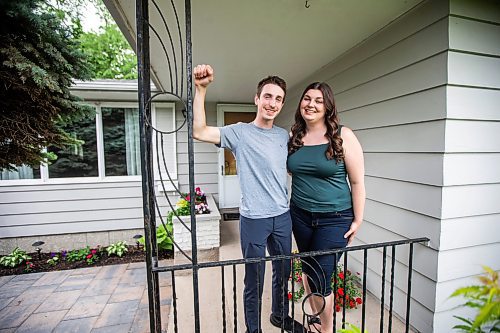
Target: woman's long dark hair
334	149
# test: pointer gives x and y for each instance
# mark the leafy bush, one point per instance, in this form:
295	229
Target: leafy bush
16	257
118	248
486	299
85	254
348	285
54	259
163	236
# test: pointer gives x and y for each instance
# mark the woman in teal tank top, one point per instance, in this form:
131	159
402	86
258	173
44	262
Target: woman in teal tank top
328	192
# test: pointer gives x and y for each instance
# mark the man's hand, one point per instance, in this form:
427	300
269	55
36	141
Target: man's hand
203	75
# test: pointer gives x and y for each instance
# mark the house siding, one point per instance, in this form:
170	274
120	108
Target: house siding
422	96
205	156
471	176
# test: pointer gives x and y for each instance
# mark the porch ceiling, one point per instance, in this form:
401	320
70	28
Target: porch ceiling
246	40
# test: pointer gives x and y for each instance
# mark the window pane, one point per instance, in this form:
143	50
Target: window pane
121	141
21	172
78	160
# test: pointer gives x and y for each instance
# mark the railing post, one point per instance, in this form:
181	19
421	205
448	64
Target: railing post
148	193
194	255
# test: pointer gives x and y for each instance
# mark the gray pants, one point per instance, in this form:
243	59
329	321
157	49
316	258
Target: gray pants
256	234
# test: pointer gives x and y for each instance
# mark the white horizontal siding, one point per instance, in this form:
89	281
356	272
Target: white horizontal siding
418	107
456	232
406	167
474	36
418	137
473	70
471	258
405	195
205	157
473	103
419	76
472	136
425	259
478	10
470	228
45	209
401	222
471	200
402	54
471	168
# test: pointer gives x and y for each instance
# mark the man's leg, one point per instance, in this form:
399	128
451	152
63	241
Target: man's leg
280	242
253	234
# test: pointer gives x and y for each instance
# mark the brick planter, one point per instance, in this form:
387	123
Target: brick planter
207	231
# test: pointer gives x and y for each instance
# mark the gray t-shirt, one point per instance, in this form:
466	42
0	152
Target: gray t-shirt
261	158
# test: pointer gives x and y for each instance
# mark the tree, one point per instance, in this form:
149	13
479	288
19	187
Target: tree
109	53
39	58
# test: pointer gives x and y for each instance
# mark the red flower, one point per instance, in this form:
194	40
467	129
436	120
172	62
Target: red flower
337	308
197	189
341	275
188	198
359	300
89	256
352	304
93	251
289	295
340	291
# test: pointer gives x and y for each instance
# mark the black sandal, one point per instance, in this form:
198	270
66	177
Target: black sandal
314	320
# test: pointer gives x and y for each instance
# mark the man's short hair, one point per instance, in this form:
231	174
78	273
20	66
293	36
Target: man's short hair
272	79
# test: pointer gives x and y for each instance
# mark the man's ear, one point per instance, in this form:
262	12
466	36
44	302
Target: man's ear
256	99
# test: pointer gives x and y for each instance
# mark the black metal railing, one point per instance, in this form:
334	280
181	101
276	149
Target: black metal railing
232	299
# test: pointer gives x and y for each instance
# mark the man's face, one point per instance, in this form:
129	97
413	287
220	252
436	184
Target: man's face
270	102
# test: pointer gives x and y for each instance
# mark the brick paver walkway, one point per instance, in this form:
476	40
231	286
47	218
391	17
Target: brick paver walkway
97	299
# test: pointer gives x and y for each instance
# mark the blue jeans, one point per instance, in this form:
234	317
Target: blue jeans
256	234
320	231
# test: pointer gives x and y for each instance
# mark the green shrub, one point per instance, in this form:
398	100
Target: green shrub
85	254
118	248
485	298
16	257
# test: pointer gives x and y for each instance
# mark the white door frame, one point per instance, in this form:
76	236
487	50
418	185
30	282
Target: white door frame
221	108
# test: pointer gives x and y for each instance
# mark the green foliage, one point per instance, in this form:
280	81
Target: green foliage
85	254
118	248
485	298
109	53
54	260
16	257
39	58
164	236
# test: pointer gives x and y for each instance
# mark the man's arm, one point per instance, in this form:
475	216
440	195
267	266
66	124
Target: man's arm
203	76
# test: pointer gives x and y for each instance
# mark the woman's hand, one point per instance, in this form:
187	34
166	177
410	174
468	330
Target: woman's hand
353	230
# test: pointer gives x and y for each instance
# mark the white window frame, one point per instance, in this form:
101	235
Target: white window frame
101	178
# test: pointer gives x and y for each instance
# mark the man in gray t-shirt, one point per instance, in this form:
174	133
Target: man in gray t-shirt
260	149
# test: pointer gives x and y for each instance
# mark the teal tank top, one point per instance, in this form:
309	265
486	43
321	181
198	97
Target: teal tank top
319	185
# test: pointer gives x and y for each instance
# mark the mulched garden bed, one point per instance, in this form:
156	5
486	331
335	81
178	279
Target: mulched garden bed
41	265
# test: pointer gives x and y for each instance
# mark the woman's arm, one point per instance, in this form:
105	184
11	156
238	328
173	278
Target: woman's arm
355	167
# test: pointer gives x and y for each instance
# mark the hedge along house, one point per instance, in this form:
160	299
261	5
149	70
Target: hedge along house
419	83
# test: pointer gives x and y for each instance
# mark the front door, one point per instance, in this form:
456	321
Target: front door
229	186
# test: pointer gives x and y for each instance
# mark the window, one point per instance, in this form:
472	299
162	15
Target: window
107	145
79	159
121	141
